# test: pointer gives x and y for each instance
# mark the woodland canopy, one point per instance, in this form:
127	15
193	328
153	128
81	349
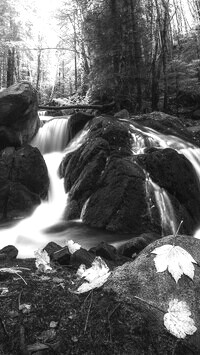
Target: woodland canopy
144	55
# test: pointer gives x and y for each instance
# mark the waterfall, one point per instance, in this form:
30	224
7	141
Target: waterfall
31	233
28	235
53	136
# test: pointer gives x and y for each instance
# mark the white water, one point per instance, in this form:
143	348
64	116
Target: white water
53	136
28	235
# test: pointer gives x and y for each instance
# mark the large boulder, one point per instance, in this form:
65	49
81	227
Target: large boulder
109	188
146	294
19	111
23	181
76	123
174	172
164	123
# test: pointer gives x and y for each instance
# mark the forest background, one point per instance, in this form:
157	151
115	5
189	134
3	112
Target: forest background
143	54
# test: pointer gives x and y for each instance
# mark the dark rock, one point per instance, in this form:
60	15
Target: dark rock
18	110
9	251
82	256
8	138
164	123
107	178
51	248
137	244
23	181
105	251
62	256
120	203
149	292
122	114
72	210
196	115
175	173
77	122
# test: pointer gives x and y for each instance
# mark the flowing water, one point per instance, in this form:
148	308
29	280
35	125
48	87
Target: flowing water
46	223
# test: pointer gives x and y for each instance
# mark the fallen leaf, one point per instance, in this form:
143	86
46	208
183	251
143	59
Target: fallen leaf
14	270
174	258
178	320
4	291
58	280
73	246
37	347
53	324
47	335
42	260
94	277
25	308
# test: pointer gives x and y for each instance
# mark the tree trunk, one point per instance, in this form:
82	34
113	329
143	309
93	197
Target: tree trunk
137	56
10	66
38	70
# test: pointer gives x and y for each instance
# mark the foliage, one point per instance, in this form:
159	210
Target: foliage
178	321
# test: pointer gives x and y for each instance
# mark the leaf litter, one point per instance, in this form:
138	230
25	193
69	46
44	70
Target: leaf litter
174	259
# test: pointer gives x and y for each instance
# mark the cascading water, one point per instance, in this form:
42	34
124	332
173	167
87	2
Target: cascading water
29	234
53	136
147	137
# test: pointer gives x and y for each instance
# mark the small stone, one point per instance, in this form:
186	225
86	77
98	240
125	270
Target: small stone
62	256
10	252
105	250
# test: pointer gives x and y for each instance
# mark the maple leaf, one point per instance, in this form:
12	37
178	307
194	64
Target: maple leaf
174	258
94	277
42	260
178	320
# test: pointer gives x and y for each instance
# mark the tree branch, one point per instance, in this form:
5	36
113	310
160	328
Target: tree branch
95	107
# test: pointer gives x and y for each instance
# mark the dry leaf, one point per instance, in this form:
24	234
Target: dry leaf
25	308
95	276
178	320
42	261
174	258
73	246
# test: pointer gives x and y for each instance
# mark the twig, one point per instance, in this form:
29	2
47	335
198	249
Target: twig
86	322
23	347
176	234
149	304
4	327
111	312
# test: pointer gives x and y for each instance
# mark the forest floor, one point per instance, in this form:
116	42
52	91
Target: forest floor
40	314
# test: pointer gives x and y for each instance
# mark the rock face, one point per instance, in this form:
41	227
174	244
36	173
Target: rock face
18	112
154	291
76	122
173	172
23	181
107	180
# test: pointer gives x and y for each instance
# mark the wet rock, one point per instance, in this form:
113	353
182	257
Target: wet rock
122	114
77	122
105	251
155	290
8	138
9	252
51	248
23	181
175	173
136	245
107	176
18	110
196	115
164	123
82	256
62	256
